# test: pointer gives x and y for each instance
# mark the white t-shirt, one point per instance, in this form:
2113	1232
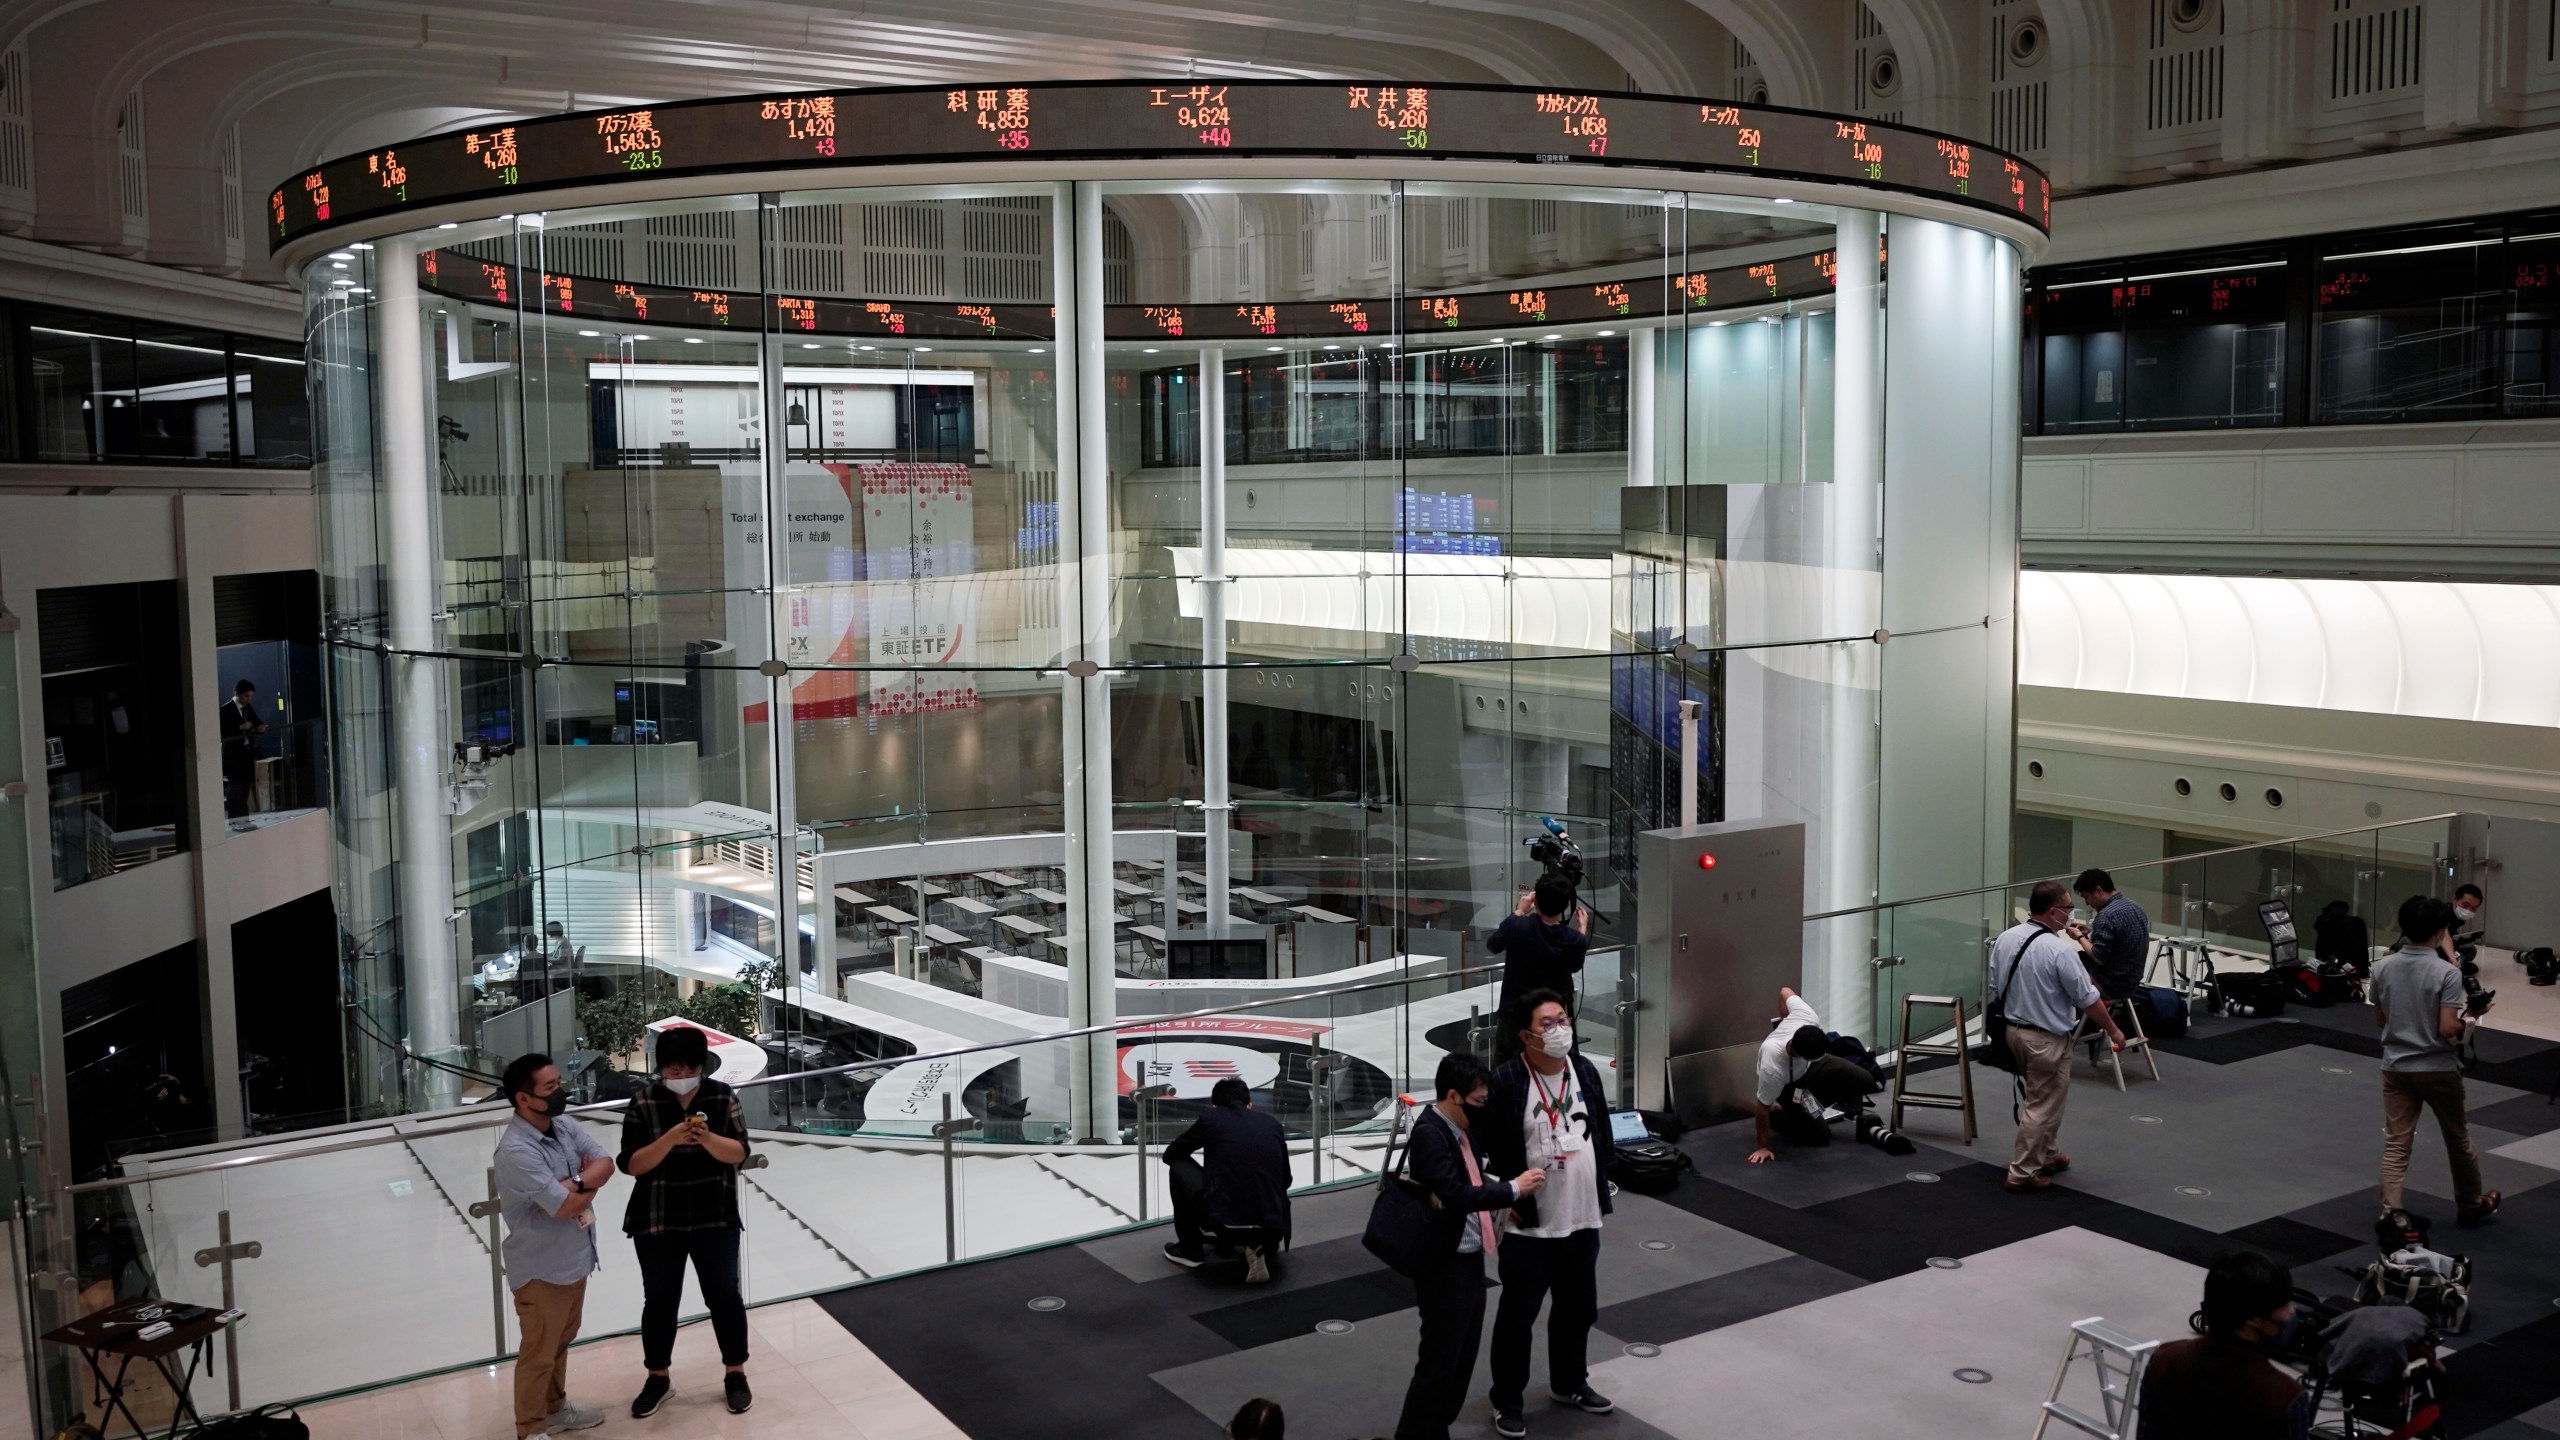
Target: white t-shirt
1777	1067
1557	1128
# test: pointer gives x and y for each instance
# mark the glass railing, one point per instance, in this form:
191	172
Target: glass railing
376	1249
2205	911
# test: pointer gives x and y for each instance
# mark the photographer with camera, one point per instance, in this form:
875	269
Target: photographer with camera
2420	1004
1542	943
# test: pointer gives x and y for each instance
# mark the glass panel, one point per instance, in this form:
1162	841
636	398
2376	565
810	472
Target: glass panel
83	384
182	399
2533	325
271	414
2407	333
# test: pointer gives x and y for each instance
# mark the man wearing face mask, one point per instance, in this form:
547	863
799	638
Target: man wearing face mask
1548	1112
2223	1385
548	1171
683	1140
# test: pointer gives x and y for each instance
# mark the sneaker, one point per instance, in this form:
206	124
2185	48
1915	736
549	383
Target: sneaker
1586	1400
740	1397
573	1417
1509	1423
1257	1270
2055	1166
2479	1214
1187	1259
2028	1186
653	1393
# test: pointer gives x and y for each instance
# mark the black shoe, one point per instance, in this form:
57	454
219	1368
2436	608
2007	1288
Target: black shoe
1187	1259
740	1397
1509	1423
653	1393
1586	1400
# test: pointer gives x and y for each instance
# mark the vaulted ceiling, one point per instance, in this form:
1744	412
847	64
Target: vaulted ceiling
149	127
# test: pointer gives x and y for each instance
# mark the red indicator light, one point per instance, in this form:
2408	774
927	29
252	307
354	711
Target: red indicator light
1706	862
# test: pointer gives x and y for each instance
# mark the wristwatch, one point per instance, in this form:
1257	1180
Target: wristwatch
578	1183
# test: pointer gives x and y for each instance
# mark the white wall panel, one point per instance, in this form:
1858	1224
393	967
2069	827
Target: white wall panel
2395	492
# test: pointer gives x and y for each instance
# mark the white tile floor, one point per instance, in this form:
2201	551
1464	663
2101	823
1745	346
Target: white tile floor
813	1381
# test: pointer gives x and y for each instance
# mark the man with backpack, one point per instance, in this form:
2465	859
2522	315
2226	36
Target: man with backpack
2040	986
2419	1003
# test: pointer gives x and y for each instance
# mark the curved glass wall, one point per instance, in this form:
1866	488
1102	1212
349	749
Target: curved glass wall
962	614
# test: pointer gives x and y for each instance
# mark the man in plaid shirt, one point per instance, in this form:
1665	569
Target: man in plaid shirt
683	1140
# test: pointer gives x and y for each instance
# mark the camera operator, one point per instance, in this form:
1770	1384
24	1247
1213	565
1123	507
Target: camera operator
1542	944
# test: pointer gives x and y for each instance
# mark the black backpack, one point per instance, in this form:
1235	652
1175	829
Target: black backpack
2541	967
2246	994
1650	1167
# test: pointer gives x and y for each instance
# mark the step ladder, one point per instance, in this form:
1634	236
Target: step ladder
1903	1094
2118	1360
2136	1038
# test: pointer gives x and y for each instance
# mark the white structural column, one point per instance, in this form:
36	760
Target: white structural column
782	733
421	738
1852	550
1215	809
1084	641
1641	442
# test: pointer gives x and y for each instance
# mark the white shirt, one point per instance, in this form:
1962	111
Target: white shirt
1556	1127
1777	1067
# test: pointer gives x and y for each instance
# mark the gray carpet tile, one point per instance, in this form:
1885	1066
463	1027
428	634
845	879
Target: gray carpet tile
1353	1385
2266	1136
1704	1305
2520	1115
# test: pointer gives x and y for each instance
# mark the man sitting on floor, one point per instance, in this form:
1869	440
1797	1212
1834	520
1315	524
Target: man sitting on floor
1240	1198
1799	1078
2222	1385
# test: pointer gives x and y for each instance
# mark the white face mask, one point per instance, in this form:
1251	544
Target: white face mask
1558	1043
2464	913
682	1089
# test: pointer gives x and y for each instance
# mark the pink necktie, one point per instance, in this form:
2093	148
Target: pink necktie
1483	1218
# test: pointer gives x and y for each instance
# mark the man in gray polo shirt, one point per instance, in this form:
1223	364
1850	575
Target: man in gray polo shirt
2040	980
2418	1001
549	1170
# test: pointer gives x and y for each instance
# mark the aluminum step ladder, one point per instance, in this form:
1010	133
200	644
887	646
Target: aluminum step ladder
1903	1094
2118	1361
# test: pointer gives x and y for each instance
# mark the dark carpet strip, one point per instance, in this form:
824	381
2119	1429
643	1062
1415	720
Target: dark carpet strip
1293	1313
2495	1380
969	1342
1712	1304
2292	1242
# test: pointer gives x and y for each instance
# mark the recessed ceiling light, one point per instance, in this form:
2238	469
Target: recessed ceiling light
1783	200
1557	336
639	337
1718	324
450	225
1147	350
692	340
1333	347
1273	347
342	254
588	334
808	344
360	245
1039	350
1496	340
924	349
866	347
1608	332
337	264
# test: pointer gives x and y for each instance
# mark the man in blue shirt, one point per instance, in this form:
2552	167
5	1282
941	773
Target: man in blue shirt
2119	936
549	1170
2040	981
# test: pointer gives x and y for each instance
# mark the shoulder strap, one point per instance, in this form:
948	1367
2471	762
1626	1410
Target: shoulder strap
2016	960
1393	1169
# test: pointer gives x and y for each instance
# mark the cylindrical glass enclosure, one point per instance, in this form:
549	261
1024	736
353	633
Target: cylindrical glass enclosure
966	611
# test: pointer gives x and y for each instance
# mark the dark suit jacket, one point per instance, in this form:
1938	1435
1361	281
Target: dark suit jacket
1432	1159
1245	1169
1507	1151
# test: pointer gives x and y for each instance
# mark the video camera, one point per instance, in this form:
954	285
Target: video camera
1555	851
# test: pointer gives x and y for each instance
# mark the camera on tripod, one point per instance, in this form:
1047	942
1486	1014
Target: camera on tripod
1555	851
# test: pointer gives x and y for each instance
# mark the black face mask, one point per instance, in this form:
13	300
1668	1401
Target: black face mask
1473	1110
555	1103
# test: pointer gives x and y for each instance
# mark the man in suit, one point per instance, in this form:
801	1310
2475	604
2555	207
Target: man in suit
1241	1195
1548	1112
1450	1294
239	726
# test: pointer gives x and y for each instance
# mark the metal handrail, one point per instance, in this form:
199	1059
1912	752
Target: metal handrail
2068	876
470	1122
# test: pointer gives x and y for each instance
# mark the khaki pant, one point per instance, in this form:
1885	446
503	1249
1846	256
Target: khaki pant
2404	1093
547	1315
2044	1063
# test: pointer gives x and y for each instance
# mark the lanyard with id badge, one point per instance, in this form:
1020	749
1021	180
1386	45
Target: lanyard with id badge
1563	1139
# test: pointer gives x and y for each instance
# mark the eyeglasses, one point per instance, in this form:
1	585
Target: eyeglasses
1553	1022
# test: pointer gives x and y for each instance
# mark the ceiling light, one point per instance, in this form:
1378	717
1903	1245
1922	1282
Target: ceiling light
1147	350
1496	340
588	334
337	264
1333	347
692	340
1718	324
1557	336
342	254
1783	200
1274	347
1039	350
450	225
639	337
808	344
924	349
359	245
866	347
1608	332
